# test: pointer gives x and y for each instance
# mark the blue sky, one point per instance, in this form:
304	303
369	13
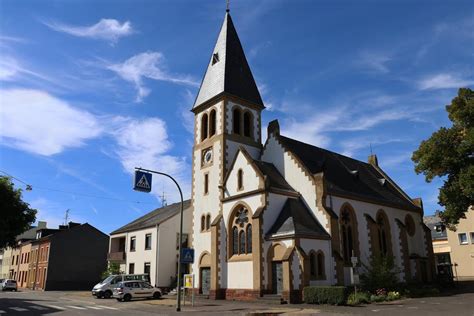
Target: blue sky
91	89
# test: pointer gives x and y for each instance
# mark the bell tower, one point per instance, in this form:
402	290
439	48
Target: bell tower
227	115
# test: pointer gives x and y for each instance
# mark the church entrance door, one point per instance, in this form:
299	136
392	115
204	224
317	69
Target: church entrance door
205	280
277	277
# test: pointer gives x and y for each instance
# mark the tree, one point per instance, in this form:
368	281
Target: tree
113	268
449	153
16	215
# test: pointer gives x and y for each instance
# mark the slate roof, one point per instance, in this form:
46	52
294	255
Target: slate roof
295	219
231	74
274	177
347	176
431	222
153	218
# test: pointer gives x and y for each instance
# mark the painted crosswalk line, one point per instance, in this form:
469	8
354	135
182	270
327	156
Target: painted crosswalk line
40	308
107	307
55	307
94	307
76	307
18	309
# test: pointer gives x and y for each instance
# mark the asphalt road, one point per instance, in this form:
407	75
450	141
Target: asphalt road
82	303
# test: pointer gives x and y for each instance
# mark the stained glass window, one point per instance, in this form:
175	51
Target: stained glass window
249	238
235	241
242	241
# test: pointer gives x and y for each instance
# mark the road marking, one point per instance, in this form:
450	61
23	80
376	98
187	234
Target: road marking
55	307
376	310
107	307
19	309
94	307
38	307
2	312
76	307
412	307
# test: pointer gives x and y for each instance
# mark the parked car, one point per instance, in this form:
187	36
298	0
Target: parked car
104	288
8	285
127	290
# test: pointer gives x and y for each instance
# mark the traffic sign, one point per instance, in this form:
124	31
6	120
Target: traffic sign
142	181
187	255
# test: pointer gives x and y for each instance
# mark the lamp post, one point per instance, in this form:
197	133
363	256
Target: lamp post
178	299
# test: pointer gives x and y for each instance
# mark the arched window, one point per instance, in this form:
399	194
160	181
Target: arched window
203	223
320	270
247	124
212	123
312	265
383	233
410	225
236	121
208	221
240	179
204	126
240	241
249	238
235	240
348	226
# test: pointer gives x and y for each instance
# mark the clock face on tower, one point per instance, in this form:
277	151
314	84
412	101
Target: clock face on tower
207	156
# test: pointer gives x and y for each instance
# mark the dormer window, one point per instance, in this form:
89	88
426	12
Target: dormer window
215	58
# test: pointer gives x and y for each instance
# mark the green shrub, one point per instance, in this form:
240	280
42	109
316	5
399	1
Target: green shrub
378	298
392	296
381	273
358	298
334	295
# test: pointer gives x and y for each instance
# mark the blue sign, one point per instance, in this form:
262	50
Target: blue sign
142	181
187	255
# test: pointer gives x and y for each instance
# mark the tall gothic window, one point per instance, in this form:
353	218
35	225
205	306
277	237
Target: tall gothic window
212	123
247	124
382	231
204	126
203	223
208	221
320	265
240	179
348	233
312	265
241	242
236	121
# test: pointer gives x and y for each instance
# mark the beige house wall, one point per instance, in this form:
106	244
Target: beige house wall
462	255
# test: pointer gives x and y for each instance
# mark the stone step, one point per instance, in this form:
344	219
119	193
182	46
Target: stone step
272	299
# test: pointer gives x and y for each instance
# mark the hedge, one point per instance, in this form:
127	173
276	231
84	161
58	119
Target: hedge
334	295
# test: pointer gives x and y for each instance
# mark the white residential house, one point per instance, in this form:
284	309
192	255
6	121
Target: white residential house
149	244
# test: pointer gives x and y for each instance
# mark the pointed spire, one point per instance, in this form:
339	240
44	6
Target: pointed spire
228	70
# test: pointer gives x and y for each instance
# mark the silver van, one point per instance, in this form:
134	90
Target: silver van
104	288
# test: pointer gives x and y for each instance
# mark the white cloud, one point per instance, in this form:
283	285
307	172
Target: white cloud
351	146
11	69
37	122
186	115
148	65
444	81
144	143
374	61
106	29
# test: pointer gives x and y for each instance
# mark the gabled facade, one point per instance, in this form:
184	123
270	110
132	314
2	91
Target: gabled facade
277	217
149	244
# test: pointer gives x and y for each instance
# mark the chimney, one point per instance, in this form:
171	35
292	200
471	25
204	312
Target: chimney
41	224
273	127
373	160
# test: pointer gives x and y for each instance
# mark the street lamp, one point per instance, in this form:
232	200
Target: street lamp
178	303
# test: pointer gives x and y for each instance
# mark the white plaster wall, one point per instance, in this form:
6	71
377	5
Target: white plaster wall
223	255
167	252
293	174
240	275
416	243
296	270
250	177
140	255
233	147
329	265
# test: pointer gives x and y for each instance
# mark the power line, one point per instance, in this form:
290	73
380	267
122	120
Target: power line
29	188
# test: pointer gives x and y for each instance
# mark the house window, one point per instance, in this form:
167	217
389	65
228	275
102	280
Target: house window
472	237
347	223
410	225
212	123
204	127
240	179
133	241
462	238
206	183
320	269
241	239
236	121
208	221
146	268
382	234
247	124
131	268
147	241
215	58
312	265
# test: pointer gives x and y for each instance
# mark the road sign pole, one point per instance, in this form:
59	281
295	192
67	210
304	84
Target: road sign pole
178	299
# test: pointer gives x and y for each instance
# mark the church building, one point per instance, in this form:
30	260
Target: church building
273	216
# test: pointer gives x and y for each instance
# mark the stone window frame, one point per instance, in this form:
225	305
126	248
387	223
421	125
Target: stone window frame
239	124
471	234
237	229
383	230
205	222
206	183
212	123
459	239
247	126
204	126
410	225
240	180
134	238
348	222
